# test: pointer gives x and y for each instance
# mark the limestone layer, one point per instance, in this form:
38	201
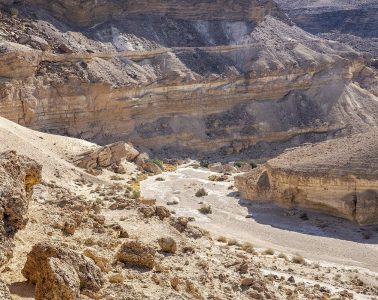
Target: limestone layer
338	177
179	81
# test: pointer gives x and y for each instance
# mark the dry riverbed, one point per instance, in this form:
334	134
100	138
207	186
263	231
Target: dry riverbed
337	250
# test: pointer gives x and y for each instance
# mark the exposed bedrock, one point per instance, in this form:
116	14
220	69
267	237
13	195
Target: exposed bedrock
352	22
179	82
18	175
91	12
338	177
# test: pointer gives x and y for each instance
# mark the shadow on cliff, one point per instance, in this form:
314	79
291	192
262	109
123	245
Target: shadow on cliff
308	222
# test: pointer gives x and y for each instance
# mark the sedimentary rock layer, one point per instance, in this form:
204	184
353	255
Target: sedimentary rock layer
339	177
181	82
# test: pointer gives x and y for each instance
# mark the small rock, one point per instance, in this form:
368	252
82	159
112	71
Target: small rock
167	244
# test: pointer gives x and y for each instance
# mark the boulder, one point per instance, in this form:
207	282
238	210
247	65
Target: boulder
136	254
60	273
131	152
18	175
103	157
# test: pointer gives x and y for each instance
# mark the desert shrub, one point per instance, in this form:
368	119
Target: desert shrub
157	162
232	242
269	251
135	194
204	164
201	193
253	164
222	239
205	209
283	256
248	247
14	12
298	259
238	163
366	235
160	179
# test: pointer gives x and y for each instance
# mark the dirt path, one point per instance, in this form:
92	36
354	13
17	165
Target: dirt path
321	238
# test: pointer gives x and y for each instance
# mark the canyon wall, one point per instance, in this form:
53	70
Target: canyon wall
175	80
351	22
338	177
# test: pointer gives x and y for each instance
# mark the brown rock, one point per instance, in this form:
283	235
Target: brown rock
18	175
60	273
136	254
162	212
167	244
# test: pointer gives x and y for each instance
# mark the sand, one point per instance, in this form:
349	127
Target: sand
321	238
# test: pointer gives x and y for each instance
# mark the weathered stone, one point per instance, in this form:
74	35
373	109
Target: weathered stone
136	254
338	177
167	244
60	273
162	212
18	175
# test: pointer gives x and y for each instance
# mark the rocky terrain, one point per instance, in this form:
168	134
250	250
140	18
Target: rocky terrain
92	237
134	135
178	80
351	22
339	177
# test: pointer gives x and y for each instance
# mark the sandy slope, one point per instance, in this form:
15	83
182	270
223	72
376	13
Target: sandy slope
321	238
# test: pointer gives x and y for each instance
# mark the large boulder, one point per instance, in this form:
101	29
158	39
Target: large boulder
60	273
105	157
18	175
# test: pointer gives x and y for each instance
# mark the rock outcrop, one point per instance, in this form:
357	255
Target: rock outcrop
18	175
339	177
352	22
60	273
104	157
184	76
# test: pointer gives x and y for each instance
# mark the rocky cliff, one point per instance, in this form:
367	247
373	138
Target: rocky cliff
339	177
182	76
352	22
18	175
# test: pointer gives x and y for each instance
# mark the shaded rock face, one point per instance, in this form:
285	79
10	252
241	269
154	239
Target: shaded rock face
60	273
18	175
352	22
338	177
91	12
180	76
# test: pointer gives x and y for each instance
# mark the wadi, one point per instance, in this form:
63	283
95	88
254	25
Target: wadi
188	149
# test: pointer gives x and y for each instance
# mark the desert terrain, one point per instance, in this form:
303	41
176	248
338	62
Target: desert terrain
194	149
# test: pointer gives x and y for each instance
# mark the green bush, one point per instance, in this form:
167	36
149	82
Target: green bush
157	162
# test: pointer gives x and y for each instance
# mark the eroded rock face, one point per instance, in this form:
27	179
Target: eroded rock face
60	273
18	175
339	177
136	254
183	76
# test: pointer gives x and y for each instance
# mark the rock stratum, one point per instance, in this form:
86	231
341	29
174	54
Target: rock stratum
351	22
338	177
179	76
